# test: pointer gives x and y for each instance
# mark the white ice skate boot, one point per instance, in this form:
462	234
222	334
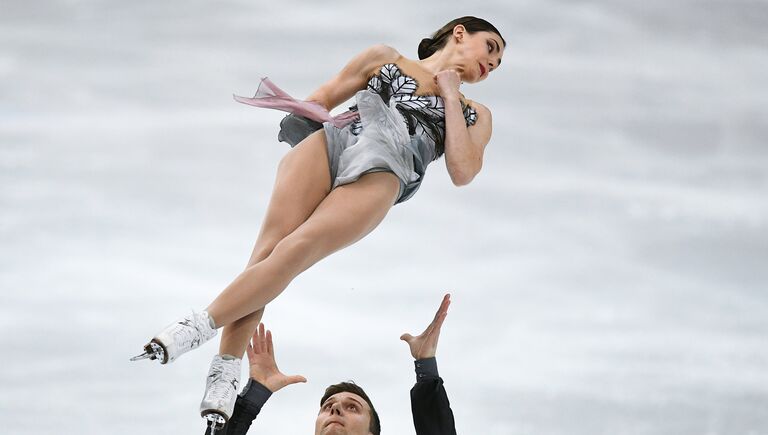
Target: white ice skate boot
179	337
220	391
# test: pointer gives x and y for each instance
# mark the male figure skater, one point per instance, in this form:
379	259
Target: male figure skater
345	408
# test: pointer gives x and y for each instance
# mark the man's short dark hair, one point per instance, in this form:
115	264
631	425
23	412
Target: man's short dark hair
351	387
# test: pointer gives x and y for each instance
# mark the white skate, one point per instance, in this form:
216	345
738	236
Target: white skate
220	391
179	337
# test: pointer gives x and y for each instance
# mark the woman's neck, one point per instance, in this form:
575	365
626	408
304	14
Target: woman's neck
439	61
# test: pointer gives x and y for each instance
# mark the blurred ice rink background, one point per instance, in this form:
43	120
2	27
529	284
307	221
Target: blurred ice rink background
608	266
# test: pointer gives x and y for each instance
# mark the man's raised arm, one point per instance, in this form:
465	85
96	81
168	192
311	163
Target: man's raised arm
264	379
432	413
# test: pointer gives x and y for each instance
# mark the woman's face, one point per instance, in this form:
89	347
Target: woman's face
479	54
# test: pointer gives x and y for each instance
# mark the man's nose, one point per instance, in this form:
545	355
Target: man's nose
336	409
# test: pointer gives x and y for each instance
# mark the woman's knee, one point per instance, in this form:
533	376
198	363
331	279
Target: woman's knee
238	326
296	252
263	249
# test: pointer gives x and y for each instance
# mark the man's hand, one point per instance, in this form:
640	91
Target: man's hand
261	357
425	345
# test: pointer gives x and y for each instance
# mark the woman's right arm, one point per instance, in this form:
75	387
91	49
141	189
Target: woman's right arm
353	77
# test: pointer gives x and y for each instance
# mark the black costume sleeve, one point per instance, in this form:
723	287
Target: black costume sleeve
247	407
432	413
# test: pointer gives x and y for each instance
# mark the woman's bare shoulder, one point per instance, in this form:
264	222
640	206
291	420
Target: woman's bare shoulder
478	107
382	53
483	113
373	57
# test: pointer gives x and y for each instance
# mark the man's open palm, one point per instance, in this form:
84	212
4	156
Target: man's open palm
263	368
425	345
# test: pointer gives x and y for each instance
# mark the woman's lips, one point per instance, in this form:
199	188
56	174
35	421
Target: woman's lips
482	69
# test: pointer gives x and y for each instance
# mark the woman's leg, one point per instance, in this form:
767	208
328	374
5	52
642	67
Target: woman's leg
347	214
303	180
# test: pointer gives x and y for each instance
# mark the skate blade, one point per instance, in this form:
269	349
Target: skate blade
215	422
151	351
145	355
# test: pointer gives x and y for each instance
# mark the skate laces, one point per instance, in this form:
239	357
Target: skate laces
223	379
192	331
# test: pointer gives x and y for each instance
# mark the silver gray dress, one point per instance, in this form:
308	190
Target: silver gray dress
397	131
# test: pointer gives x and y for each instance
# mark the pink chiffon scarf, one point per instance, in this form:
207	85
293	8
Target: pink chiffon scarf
269	96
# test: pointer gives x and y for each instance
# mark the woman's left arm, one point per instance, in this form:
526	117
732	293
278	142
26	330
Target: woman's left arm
464	146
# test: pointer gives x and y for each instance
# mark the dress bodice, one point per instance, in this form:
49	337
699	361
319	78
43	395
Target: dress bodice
424	113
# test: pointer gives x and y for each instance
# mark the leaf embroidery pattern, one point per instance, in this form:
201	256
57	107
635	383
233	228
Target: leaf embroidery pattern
470	114
403	85
389	72
374	84
424	114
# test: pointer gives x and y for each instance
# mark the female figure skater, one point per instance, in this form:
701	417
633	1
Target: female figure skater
338	183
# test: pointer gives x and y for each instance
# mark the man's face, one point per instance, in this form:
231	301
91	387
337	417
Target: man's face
343	414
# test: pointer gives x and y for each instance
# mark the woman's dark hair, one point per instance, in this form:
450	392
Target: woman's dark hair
351	387
428	46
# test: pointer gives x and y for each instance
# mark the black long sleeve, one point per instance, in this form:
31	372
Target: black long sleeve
431	409
247	408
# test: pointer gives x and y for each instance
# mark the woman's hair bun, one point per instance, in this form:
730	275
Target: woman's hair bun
425	48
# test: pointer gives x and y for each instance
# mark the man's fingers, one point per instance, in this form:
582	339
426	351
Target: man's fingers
254	337
443	306
406	337
262	338
257	340
435	332
440	320
249	351
270	346
445	303
443	310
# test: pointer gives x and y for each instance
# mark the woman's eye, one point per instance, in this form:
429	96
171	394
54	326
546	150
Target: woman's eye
490	47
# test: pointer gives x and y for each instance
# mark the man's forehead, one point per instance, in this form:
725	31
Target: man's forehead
346	395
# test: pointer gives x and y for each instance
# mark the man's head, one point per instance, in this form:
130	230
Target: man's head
345	409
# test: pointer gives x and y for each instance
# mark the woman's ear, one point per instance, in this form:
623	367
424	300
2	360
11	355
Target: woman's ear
458	32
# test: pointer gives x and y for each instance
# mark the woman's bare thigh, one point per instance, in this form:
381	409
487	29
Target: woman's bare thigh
345	216
303	180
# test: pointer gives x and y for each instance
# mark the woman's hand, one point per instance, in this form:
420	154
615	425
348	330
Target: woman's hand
448	81
425	345
261	358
